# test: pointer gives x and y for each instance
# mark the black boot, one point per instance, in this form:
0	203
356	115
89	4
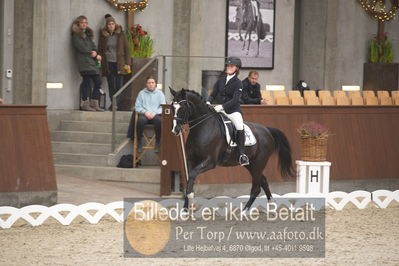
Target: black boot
243	159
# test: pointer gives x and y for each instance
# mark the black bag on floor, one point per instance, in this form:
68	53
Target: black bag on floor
126	161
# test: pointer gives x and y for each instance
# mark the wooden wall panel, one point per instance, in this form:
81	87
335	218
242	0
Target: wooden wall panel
26	160
365	143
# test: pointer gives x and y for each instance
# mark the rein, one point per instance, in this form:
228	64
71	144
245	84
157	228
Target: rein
196	121
207	116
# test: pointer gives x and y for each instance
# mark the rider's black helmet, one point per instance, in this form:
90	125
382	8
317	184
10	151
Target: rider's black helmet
234	61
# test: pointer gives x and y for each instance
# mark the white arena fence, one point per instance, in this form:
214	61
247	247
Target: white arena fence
335	200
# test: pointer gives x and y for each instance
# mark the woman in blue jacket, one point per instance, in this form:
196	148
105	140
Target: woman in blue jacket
148	106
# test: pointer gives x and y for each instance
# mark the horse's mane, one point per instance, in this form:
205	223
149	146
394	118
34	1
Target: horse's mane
199	97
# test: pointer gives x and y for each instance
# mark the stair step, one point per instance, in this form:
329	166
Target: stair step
78	147
145	178
100	116
87	137
80	159
104	127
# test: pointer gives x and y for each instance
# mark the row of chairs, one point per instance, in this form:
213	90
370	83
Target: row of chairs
328	98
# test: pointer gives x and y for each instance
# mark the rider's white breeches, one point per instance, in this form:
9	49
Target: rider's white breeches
236	118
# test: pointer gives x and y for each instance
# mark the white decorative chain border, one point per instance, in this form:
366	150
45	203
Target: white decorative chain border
336	200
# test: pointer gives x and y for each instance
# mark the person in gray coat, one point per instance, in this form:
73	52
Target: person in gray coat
87	58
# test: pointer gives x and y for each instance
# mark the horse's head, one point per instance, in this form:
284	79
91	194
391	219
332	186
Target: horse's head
181	110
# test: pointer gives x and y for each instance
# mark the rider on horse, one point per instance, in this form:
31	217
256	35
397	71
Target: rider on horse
227	92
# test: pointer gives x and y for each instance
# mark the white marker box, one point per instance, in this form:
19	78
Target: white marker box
313	177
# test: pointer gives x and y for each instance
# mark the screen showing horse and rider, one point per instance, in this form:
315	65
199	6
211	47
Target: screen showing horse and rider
250	32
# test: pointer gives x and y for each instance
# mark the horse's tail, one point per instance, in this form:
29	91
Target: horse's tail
284	152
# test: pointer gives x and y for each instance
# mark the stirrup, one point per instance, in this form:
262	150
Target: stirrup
243	160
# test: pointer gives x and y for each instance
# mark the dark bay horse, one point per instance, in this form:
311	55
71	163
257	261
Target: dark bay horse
251	21
206	144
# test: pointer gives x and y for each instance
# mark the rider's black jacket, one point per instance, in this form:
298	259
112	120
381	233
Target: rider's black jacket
228	94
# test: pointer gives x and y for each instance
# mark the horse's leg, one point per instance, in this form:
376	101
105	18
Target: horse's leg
198	169
239	30
245	37
265	186
257	34
249	41
255	190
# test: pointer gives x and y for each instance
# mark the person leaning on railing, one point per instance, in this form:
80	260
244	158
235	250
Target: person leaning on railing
86	55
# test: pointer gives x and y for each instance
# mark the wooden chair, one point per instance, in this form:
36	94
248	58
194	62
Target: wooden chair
396	101
312	101
266	95
386	100
381	94
357	100
368	93
394	94
371	100
327	100
292	94
148	141
282	100
343	100
297	101
277	94
325	93
338	93
309	93
354	94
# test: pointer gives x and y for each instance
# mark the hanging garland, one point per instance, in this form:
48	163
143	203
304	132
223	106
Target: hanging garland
379	11
129	5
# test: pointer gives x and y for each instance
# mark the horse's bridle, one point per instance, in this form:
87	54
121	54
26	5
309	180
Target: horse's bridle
195	122
186	114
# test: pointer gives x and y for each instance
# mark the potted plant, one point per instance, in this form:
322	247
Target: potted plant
141	44
380	73
314	138
141	50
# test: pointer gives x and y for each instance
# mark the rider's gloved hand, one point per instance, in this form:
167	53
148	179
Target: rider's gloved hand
218	108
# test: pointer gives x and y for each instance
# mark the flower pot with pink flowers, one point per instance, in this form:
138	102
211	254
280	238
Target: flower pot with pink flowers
314	137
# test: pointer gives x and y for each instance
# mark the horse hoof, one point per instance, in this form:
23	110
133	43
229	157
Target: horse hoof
244	211
271	200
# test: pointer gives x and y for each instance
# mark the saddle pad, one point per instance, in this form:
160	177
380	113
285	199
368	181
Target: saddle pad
250	139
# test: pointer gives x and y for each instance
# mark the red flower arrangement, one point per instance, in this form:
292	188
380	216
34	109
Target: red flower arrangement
313	129
140	42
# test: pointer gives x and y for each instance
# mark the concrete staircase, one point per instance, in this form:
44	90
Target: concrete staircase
81	143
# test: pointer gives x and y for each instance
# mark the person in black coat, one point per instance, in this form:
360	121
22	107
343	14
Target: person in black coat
251	90
226	93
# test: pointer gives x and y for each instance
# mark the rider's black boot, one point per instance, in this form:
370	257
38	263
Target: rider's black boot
243	159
